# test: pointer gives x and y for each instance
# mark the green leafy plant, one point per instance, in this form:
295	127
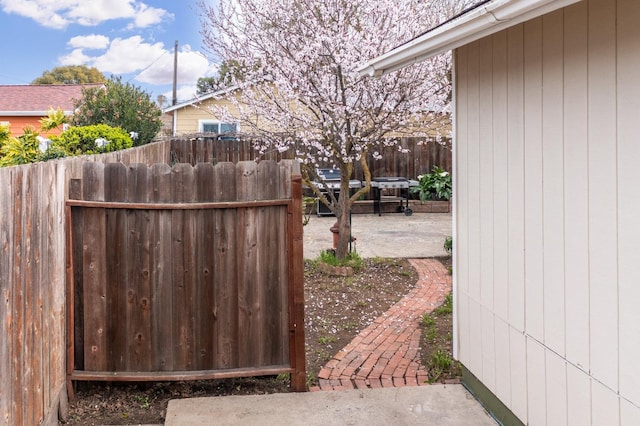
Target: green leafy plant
447	307
427	320
439	363
93	139
436	185
20	150
121	105
326	340
448	245
352	259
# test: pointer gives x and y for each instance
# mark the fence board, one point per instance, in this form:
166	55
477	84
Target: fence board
248	286
116	241
161	255
17	301
94	272
225	306
6	274
138	296
32	350
183	266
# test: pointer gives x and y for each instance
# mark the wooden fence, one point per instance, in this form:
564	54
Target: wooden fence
186	272
32	283
416	157
33	263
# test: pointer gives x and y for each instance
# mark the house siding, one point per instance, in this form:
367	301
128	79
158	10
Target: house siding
547	239
18	123
187	118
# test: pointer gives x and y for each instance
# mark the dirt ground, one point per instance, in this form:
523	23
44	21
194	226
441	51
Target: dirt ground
336	310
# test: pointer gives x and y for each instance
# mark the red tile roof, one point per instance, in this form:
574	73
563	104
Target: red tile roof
37	98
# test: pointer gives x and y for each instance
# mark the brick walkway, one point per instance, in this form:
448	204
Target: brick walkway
387	353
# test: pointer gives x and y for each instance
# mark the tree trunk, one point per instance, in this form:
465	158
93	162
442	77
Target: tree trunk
344	225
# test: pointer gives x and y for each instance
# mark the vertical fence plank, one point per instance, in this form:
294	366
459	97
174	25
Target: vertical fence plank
34	407
182	180
117	232
249	344
138	329
94	270
296	287
46	277
17	299
225	305
7	218
205	271
161	287
272	249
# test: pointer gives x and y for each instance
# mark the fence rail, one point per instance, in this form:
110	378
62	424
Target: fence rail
185	272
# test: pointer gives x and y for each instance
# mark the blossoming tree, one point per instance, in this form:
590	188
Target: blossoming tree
300	86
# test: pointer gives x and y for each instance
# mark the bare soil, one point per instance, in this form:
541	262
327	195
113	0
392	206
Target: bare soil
336	310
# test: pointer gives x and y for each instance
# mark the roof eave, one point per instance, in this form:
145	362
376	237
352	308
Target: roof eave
480	22
29	113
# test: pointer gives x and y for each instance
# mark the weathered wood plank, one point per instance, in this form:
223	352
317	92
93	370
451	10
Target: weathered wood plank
161	272
116	241
270	251
138	287
6	289
32	351
250	344
205	272
94	271
18	301
182	180
225	298
296	287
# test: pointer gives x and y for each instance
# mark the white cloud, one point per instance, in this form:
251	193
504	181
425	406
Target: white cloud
151	63
76	57
191	66
91	41
128	55
146	16
61	13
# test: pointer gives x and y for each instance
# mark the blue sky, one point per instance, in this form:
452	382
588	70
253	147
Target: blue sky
130	38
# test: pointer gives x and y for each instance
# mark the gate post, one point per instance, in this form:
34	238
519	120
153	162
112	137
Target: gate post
296	287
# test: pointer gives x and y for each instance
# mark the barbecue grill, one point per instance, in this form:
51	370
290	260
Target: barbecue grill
331	178
394	182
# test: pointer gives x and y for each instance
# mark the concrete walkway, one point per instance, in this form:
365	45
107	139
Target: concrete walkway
378	374
390	235
387	353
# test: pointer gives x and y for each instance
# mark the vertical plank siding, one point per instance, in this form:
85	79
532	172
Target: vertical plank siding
547	203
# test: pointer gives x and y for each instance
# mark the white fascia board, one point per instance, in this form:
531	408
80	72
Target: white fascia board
477	23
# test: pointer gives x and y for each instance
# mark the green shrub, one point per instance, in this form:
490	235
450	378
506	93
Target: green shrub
436	185
352	259
448	245
93	139
121	105
20	150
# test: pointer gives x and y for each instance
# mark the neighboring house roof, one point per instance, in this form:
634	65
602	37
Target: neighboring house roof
37	99
199	99
485	18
